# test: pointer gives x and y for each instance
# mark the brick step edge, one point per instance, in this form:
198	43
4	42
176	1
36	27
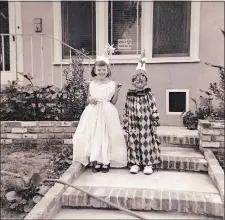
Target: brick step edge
177	140
193	164
146	200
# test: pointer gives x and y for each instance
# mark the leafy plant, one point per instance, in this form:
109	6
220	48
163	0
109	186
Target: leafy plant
207	111
30	102
23	193
27	103
203	111
218	90
61	162
74	93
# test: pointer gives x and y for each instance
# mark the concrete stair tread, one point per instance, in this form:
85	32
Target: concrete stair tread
171	136
176	131
181	152
163	180
169	191
183	159
65	213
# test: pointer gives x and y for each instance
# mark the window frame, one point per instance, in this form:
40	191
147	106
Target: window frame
146	35
167	100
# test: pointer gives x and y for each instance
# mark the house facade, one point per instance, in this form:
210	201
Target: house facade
40	38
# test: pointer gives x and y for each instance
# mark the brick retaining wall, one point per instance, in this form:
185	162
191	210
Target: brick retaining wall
37	132
59	133
211	134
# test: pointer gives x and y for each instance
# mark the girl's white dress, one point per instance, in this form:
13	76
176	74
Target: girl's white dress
99	135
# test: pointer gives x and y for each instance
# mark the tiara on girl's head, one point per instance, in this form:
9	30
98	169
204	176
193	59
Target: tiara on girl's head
108	51
103	58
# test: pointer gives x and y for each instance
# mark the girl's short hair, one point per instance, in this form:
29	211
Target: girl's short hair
100	63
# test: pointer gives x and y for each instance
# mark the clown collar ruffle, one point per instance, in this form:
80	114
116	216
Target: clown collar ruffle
135	92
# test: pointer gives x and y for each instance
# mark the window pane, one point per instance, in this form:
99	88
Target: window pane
78	26
4	42
171	28
177	101
124	25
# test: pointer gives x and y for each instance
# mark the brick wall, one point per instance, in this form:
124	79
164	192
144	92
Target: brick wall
37	132
211	134
60	133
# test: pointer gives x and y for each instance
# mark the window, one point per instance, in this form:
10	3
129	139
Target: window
168	31
78	26
124	26
171	28
177	101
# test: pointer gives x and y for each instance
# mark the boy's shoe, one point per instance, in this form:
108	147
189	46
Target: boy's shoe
148	170
134	169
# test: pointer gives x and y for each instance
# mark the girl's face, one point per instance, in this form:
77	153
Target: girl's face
140	82
101	72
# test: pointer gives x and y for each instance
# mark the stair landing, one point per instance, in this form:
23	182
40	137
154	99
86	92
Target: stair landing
161	180
177	136
176	131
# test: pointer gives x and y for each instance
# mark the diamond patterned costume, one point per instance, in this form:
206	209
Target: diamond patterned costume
140	115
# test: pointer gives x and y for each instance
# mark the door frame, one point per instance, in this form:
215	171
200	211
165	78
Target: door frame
16	46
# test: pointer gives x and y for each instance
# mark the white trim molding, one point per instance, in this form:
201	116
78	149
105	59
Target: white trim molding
146	34
16	45
167	100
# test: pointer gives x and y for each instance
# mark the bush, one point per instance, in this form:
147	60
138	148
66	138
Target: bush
218	91
207	111
30	102
190	119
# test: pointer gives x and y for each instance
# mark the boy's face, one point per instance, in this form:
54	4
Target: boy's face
140	82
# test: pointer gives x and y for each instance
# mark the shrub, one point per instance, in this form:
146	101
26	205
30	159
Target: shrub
218	91
30	102
207	111
190	119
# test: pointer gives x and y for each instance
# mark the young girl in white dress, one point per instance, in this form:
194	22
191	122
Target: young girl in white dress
99	137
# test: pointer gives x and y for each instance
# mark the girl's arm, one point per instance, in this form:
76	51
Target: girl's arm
125	115
90	100
115	97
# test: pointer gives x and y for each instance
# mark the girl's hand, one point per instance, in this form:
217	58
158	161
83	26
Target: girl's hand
92	101
118	86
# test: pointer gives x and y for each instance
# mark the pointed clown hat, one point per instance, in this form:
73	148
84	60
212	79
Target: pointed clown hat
141	67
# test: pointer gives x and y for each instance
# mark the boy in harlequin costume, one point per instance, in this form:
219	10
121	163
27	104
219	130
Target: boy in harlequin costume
140	121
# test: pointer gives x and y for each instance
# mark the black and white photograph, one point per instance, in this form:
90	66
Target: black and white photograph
112	109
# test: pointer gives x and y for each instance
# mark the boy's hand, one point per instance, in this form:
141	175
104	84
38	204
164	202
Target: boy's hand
154	129
92	101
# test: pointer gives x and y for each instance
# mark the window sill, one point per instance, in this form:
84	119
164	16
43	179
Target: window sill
134	60
174	113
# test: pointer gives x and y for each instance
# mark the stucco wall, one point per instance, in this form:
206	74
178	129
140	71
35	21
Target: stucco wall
192	76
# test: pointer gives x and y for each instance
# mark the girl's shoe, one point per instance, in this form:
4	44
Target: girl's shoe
105	168
148	170
97	168
134	169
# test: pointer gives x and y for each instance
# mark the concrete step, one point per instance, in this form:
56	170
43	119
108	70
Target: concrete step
168	191
113	214
182	159
171	136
